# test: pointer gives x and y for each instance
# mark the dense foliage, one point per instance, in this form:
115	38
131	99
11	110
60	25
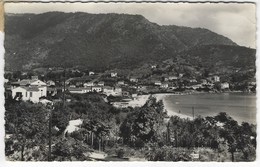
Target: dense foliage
28	125
143	132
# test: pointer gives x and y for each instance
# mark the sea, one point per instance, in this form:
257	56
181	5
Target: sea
240	106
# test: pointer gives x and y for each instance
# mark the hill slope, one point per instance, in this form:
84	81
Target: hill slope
96	41
220	56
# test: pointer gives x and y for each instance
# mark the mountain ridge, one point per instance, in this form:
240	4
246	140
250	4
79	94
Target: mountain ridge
119	40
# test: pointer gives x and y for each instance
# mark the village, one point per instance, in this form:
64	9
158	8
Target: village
120	90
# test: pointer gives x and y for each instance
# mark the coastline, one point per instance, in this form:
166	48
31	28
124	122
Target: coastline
170	112
140	100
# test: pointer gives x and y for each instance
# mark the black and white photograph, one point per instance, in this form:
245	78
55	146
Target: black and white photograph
162	81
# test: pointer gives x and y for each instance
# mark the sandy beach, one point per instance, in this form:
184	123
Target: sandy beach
170	112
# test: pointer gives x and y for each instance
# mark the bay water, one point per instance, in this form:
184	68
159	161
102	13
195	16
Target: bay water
240	106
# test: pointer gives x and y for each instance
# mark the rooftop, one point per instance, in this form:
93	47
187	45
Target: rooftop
30	89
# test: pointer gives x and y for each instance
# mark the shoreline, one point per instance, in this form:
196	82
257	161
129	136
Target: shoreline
171	112
140	100
197	92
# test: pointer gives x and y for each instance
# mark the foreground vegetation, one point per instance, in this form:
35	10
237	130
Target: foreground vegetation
145	133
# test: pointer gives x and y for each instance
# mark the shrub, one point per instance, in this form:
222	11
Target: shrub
120	153
76	135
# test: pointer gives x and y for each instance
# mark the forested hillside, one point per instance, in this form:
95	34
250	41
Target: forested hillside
82	39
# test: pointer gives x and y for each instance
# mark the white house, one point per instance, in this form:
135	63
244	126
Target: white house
80	90
225	85
164	85
158	83
120	83
107	90
113	74
173	78
216	78
117	91
87	84
87	89
72	86
133	79
96	89
29	93
30	90
101	83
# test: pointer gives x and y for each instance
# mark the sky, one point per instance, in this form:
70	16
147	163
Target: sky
236	21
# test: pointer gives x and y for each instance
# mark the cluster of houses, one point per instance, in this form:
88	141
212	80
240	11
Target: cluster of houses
107	90
34	89
170	82
209	82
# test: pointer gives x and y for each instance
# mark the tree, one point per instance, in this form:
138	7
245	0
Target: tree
30	130
175	125
70	149
245	137
229	132
222	117
217	86
95	129
17	74
143	123
60	118
167	153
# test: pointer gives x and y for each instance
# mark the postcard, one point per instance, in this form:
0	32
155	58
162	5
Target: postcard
137	81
